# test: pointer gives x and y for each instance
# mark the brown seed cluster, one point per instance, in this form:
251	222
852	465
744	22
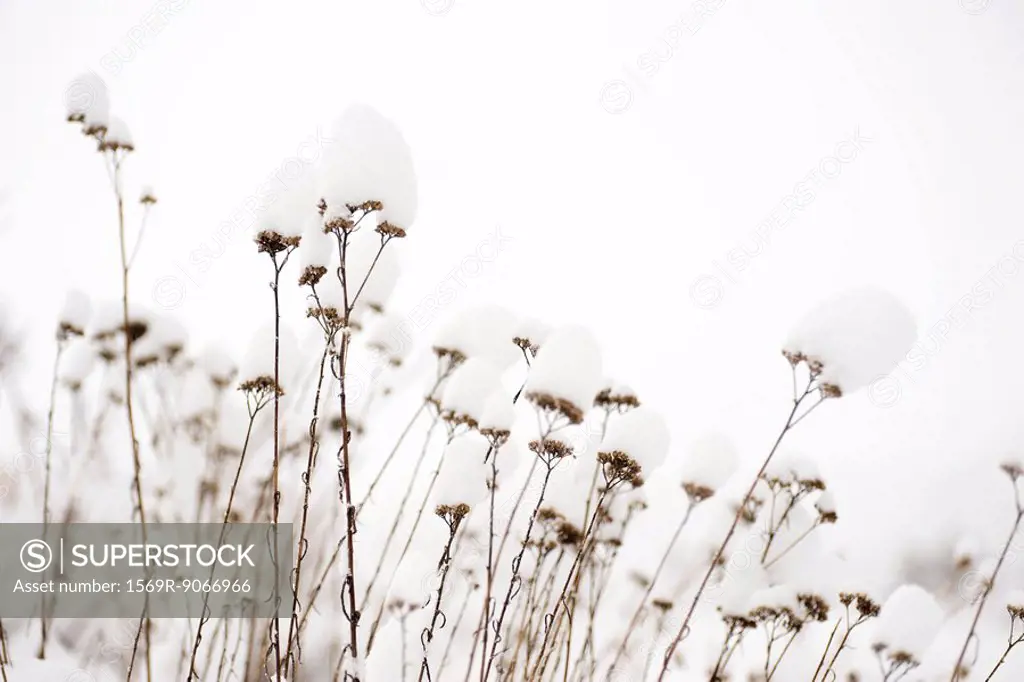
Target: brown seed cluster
312	275
269	241
550	403
610	400
260	386
696	492
550	449
619	467
864	604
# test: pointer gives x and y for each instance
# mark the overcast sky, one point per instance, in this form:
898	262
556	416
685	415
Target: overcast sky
624	150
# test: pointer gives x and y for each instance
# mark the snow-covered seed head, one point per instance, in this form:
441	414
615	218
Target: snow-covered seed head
311	276
147	197
815	606
864	604
1013	468
618	467
662	605
619	398
452	514
550	449
272	242
117	137
696	492
826	508
75	315
1015	607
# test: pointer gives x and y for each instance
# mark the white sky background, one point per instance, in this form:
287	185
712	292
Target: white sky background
514	112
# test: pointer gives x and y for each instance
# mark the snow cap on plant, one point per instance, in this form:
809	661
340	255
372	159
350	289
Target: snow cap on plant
498	416
642	435
616	397
318	254
708	464
530	334
463	476
468	390
909	621
75	315
852	339
117	137
147	197
367	161
257	370
77	363
388	338
87	101
218	366
1015	604
566	375
479	331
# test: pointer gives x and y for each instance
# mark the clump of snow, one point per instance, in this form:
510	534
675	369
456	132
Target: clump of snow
481	331
856	336
118	135
368	160
642	434
532	330
790	465
77	310
464	474
498	414
909	621
710	461
77	363
218	365
87	100
388	337
259	358
567	368
470	387
318	248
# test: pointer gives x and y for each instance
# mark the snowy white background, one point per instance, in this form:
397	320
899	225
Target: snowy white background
624	149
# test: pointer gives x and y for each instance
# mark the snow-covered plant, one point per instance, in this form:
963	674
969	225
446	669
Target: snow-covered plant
487	506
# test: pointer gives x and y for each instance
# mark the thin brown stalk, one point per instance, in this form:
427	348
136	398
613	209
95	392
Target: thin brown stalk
46	484
254	403
1011	642
791	422
438	619
990	583
635	618
303	545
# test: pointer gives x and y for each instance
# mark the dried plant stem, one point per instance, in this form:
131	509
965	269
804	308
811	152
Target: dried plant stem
351	610
254	404
635	618
46	484
438	619
455	631
394	529
5	658
303	545
320	584
791	421
1011	642
769	673
515	580
990	583
850	627
144	625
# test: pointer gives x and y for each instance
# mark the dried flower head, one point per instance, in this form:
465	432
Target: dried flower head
260	387
389	230
815	606
550	403
616	399
568	534
147	197
452	514
619	467
269	241
697	493
662	605
550	449
526	345
1013	469
312	275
